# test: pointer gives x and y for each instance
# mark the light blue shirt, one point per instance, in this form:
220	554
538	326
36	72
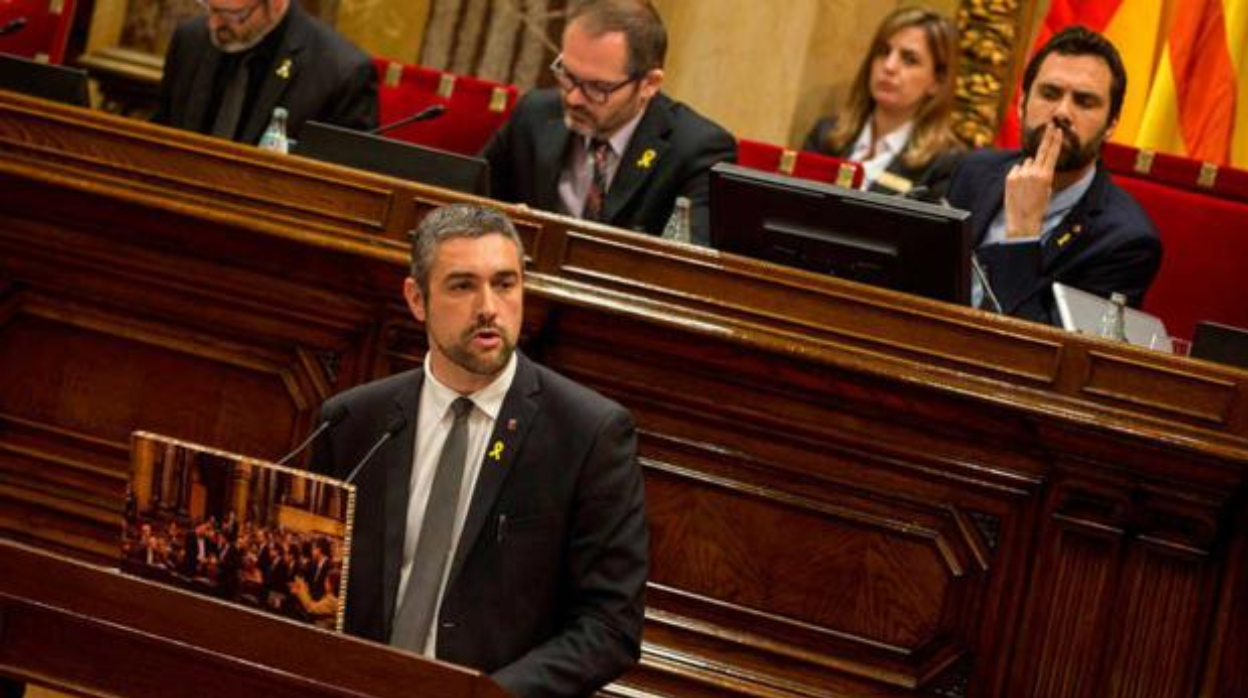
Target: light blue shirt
1059	205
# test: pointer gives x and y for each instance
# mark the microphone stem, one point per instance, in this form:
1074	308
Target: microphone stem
304	444
429	112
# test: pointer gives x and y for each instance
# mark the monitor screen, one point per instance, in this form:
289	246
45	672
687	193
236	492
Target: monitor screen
418	163
1221	343
887	241
54	82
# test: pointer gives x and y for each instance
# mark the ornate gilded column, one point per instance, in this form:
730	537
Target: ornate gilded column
143	457
994	34
241	486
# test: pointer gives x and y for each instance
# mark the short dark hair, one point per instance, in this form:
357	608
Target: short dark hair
637	20
1078	40
455	221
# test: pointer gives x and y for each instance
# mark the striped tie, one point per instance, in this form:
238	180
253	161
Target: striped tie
598	152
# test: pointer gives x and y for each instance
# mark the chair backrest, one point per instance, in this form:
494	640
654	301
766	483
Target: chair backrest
1201	212
757	155
475	108
36	29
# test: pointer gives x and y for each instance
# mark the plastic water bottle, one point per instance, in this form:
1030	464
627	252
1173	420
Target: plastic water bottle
1114	320
274	137
679	227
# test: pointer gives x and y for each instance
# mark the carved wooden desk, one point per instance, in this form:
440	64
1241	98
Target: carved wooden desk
851	492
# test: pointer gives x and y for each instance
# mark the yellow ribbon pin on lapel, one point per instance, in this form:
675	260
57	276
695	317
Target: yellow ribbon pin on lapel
496	452
647	159
283	70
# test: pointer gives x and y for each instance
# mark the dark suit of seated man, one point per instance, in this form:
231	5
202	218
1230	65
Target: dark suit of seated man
503	527
1051	213
606	144
226	70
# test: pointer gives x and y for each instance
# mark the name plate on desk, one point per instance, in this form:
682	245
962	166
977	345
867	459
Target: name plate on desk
240	529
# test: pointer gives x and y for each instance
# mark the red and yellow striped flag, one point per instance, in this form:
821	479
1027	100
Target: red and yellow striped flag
1187	68
1198	90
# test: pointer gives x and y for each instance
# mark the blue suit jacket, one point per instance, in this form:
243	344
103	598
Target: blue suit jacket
1106	244
546	589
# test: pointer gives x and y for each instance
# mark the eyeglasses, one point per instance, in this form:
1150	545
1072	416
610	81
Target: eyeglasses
595	91
235	16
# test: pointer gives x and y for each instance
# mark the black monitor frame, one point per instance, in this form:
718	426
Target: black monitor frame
52	82
889	241
1221	344
386	156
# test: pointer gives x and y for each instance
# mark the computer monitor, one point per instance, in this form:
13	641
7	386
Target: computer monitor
888	241
1221	343
418	163
54	82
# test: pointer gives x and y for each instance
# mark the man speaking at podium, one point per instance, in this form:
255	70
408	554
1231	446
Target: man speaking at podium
501	524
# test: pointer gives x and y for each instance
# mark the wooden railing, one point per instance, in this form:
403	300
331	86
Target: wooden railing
86	629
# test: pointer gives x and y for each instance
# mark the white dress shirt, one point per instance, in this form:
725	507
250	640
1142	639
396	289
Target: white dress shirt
889	147
433	425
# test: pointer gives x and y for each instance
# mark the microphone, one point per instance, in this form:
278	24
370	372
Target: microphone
394	426
432	111
983	283
329	419
13	26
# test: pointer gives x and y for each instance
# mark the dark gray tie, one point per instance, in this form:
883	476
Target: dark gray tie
415	613
230	111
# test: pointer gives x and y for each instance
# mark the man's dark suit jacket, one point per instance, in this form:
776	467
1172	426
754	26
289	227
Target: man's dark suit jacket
545	591
328	80
933	177
670	155
1105	244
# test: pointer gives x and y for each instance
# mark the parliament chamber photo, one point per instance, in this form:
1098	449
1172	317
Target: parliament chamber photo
875	464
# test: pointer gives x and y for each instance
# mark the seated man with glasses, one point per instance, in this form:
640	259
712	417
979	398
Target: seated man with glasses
606	144
227	69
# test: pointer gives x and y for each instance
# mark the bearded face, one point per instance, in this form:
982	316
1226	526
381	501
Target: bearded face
1072	94
1075	155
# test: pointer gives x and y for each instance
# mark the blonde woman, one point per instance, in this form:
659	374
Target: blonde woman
898	119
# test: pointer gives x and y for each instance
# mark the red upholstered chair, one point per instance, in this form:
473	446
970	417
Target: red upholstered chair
822	168
1202	214
36	29
474	108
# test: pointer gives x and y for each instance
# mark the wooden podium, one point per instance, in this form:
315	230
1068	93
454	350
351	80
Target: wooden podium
850	492
88	629
93	629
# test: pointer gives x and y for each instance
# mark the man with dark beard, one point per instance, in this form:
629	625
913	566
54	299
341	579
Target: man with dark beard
227	69
1051	213
606	144
503	526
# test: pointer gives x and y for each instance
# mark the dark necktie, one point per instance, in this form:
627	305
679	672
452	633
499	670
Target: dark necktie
230	111
415	613
598	152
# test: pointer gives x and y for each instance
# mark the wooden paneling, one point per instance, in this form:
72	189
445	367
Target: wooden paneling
850	491
91	631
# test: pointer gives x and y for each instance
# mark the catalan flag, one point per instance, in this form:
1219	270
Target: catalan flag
1187	68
